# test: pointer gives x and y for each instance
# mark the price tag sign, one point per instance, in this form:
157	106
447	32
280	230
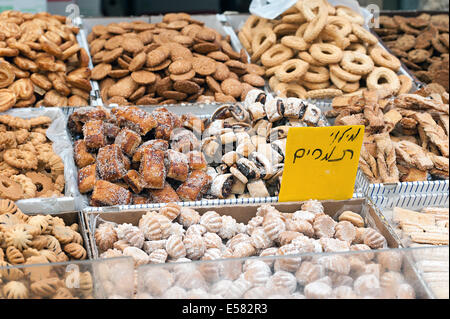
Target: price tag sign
321	162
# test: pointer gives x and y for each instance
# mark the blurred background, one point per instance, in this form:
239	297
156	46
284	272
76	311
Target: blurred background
93	8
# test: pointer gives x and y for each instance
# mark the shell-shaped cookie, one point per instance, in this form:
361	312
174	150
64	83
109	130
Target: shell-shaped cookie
165	225
171	211
260	240
391	280
301	226
121	244
374	239
336	263
288	236
341	280
282	282
111	253
365	254
174	293
334	245
360	233
344	292
266	208
220	287
195	246
176	229
345	231
305	244
303	215
253	223
139	256
212	254
195	229
132	234
212	221
318	290
324	226
241	228
49	255
151	245
309	272
288	264
272	251
188	217
39	221
367	285
158	256
15	290
313	206
405	291
14	255
175	247
354	218
46	287
274	227
191	279
75	250
157	281
211	271
105	236
237	239
229	227
212	240
244	249
150	227
239	287
390	260
258	273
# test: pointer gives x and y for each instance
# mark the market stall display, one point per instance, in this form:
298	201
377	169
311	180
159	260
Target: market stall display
420	42
41	62
320	55
29	167
406	137
176	60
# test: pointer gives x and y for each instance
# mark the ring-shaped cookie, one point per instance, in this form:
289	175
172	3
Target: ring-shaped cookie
405	84
331	35
350	87
379	73
276	55
349	14
383	58
291	70
316	74
357	63
306	7
305	56
290	90
344	27
20	159
342	74
42	182
261	42
253	24
315	86
364	34
294	42
323	93
340	83
10	189
357	47
326	53
316	25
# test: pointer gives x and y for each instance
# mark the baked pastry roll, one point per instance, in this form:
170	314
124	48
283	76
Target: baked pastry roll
222	185
177	165
81	155
128	141
109	194
134	180
135	119
196	160
140	200
193	123
311	115
159	144
111	130
183	140
166	123
294	108
195	186
152	168
165	195
111	163
85	114
86	178
94	134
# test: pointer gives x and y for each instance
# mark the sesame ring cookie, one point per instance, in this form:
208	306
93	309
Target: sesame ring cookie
342	74
290	90
350	87
343	25
276	55
316	74
357	47
315	86
383	58
306	8
331	35
20	159
379	73
316	25
291	70
340	83
405	84
323	93
326	53
261	42
364	34
357	63
295	42
305	56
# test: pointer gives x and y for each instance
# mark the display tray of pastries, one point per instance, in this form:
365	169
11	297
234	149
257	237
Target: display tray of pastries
313	231
316	50
128	155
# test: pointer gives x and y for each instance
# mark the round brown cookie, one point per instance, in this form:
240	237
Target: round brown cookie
42	182
406	42
188	87
231	87
203	65
253	79
143	77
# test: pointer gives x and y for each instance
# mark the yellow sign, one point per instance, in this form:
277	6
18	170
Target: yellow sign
321	162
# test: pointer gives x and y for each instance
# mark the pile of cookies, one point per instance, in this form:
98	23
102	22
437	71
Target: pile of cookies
406	138
180	234
429	226
176	60
38	239
29	167
421	43
316	50
41	63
